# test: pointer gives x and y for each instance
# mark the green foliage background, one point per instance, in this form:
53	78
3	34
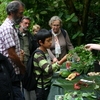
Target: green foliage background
82	26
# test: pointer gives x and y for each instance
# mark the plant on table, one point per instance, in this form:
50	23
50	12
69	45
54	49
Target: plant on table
77	95
86	62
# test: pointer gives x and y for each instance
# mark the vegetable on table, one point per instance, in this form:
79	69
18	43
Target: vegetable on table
76	85
72	76
64	74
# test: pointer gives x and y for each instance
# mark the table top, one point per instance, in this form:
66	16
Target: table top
60	86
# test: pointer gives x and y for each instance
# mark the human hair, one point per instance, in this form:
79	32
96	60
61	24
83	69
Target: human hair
35	27
55	18
42	34
25	17
13	7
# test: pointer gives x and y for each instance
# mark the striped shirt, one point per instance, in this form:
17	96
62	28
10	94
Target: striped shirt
8	39
42	65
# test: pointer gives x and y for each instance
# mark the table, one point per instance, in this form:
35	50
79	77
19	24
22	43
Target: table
57	89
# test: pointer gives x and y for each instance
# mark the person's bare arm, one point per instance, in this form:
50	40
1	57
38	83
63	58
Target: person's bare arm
64	59
92	46
14	57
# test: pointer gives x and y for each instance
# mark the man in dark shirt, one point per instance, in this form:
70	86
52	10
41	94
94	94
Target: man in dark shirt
28	45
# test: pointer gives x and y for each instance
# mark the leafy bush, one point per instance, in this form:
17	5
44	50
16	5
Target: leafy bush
3	14
86	62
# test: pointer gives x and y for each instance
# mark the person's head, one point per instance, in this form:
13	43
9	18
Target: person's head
35	28
44	38
24	24
55	23
15	11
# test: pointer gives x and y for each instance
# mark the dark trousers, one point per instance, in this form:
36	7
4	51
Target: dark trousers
17	93
42	94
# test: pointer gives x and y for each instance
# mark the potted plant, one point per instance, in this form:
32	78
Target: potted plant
86	62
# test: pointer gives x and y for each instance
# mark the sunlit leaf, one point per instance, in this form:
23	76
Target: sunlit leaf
97	87
43	12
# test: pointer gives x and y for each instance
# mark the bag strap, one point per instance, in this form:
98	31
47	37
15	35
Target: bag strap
38	50
30	62
63	32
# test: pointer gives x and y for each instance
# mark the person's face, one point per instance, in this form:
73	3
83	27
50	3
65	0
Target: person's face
47	43
25	24
56	26
35	31
16	17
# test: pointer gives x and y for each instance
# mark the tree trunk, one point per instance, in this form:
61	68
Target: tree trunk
85	17
70	5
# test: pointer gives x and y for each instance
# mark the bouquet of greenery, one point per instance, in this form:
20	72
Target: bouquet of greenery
86	62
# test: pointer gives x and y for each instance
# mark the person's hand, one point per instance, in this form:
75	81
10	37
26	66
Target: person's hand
92	46
55	60
22	55
78	59
65	57
89	47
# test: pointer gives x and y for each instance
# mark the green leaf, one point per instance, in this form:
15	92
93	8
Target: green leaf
69	25
77	34
79	95
74	19
79	98
71	16
97	87
85	94
60	14
43	12
69	97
